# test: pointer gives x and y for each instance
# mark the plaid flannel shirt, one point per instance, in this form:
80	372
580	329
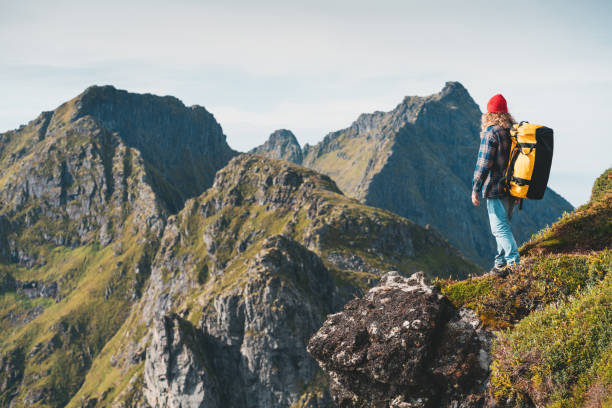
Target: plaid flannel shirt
492	162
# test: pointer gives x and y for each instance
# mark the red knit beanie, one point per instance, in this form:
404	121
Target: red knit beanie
497	104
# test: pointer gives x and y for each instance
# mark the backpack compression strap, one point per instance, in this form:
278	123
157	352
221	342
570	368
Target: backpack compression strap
510	169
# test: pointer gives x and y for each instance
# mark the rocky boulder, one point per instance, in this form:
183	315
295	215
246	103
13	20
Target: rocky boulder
403	345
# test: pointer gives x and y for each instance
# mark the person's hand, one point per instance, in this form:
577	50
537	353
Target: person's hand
475	200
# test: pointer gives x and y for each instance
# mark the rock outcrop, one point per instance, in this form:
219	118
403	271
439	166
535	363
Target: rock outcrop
281	145
403	345
175	373
417	161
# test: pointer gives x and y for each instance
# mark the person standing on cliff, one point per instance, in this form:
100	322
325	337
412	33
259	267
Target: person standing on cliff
490	168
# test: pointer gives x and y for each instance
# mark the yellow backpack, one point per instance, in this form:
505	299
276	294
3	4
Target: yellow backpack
530	160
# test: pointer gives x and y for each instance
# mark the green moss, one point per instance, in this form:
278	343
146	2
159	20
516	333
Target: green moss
602	186
468	292
313	390
553	357
538	281
586	229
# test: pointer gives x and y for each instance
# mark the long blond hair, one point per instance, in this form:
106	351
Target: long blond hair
502	119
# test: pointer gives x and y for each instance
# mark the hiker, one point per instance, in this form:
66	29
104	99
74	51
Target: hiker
490	169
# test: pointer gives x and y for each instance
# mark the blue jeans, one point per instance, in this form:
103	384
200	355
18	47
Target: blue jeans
500	214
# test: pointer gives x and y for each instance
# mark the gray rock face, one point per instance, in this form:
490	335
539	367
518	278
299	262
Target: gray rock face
281	145
403	345
35	289
11	373
71	188
259	332
185	145
249	348
175	373
418	161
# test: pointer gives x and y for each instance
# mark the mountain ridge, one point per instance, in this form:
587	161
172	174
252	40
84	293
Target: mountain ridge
267	233
108	280
417	161
281	144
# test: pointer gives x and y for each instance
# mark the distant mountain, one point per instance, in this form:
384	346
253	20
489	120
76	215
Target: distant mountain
183	145
85	193
417	161
136	273
281	145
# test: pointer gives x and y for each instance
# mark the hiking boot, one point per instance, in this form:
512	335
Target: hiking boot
500	271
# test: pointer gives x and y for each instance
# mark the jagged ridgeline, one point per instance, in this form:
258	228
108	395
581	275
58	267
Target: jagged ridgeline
417	160
117	288
84	194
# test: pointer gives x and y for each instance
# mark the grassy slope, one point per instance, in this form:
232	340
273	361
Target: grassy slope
554	313
94	304
354	162
57	339
589	228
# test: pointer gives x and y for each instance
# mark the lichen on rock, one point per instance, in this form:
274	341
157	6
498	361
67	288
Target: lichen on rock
403	344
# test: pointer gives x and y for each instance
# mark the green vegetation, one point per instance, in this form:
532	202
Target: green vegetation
588	228
560	356
72	331
538	281
97	284
602	187
553	312
352	164
312	391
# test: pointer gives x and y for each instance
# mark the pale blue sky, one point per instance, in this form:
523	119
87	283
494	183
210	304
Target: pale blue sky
313	67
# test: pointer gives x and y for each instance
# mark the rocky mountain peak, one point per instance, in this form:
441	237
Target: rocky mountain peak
282	135
104	94
455	96
283	145
184	144
98	158
417	160
454	87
